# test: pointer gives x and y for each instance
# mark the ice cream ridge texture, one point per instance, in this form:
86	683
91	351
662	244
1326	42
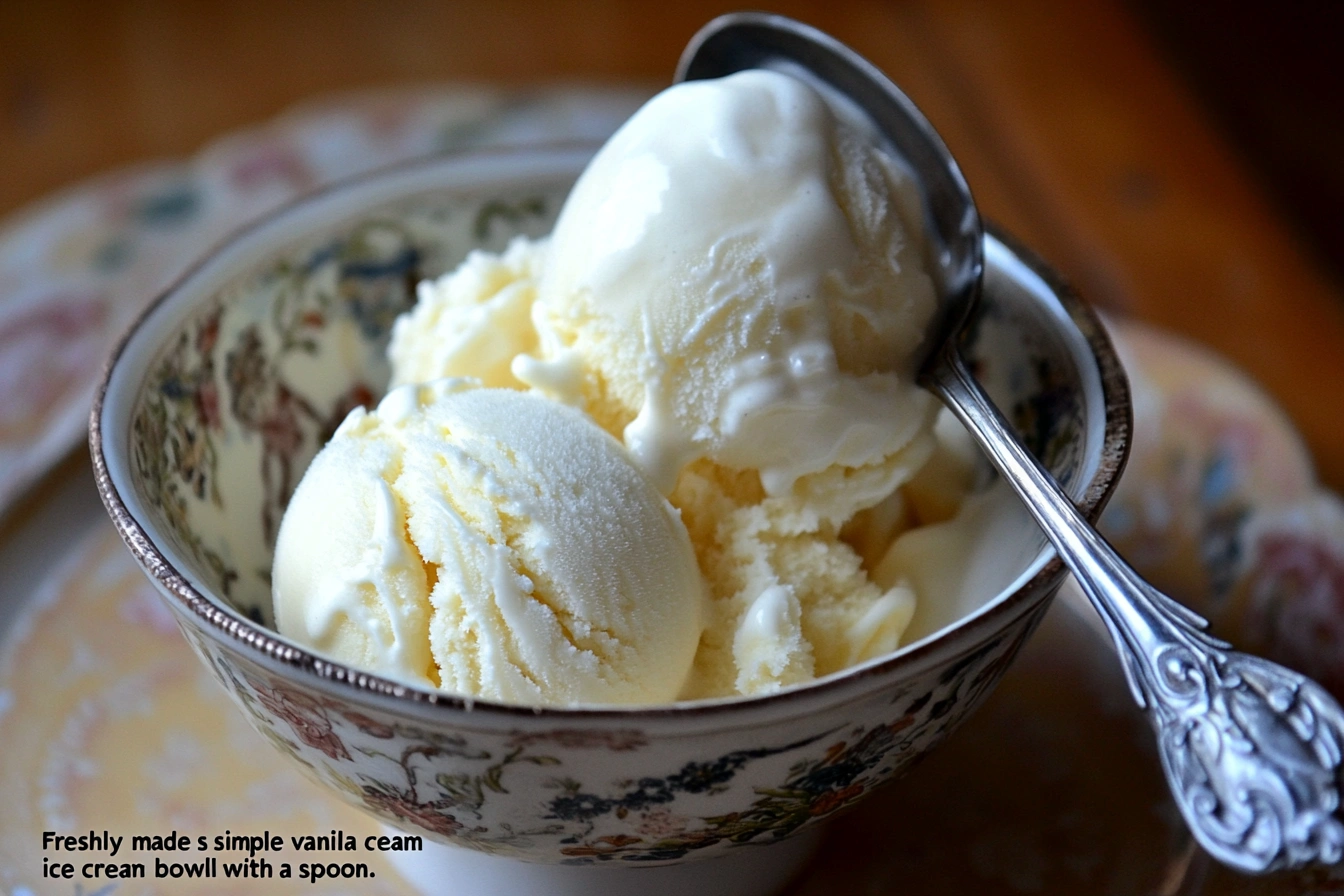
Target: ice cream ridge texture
669	452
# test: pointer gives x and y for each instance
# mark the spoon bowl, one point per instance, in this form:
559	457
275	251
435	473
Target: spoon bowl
1251	750
867	100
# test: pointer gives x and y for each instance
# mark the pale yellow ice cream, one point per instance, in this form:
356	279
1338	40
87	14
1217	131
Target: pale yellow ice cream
738	276
735	290
471	322
492	543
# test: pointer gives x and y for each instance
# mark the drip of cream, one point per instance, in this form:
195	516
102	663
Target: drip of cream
879	630
386	553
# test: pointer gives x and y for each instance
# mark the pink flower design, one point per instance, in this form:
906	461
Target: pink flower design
369	726
205	396
660	821
428	817
207	405
1297	604
306	716
271	163
207	335
47	351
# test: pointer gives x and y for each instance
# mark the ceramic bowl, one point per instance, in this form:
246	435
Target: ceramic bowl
230	382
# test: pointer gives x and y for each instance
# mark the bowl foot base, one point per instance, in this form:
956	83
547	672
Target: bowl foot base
745	871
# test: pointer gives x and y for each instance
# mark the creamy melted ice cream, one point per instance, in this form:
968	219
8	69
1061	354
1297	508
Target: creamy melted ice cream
735	290
492	543
741	272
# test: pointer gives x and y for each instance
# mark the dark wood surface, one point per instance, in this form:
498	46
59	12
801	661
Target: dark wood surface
1073	129
1272	83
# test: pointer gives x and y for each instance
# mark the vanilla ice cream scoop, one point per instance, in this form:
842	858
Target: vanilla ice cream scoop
492	543
472	321
739	276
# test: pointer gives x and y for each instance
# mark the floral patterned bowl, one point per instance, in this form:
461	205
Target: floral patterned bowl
230	382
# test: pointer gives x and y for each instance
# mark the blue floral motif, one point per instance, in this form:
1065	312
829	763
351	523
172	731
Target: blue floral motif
171	207
693	777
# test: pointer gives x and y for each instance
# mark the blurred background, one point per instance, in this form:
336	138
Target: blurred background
88	85
1152	150
1270	82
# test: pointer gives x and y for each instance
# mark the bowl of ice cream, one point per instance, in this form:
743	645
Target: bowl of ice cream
445	618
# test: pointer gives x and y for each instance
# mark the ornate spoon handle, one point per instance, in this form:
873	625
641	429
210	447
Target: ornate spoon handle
1251	750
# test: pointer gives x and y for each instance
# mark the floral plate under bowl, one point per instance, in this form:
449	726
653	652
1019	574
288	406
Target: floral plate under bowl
228	385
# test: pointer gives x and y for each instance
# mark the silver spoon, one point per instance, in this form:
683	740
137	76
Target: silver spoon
1251	750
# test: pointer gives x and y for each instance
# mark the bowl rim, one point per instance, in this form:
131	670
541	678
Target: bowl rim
231	627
